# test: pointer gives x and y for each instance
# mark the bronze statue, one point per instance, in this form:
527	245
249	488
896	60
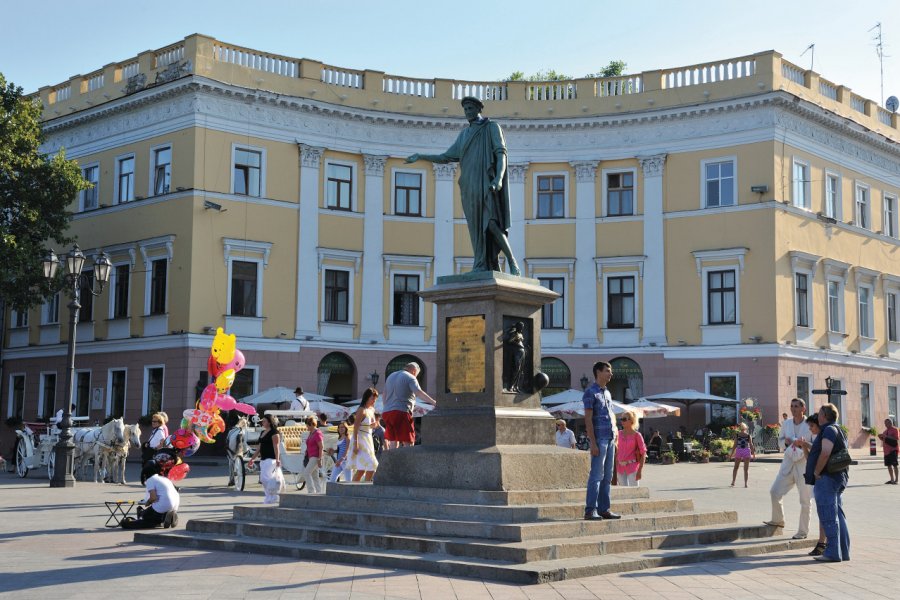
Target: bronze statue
514	342
483	185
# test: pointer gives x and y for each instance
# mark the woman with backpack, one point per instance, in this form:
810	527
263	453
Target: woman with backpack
829	477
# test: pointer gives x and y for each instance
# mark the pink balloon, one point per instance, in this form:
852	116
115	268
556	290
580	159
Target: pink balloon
208	397
237	363
178	472
226	402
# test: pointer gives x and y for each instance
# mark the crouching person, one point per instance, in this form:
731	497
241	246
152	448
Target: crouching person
160	503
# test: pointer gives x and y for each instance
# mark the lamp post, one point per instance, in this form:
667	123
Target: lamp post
373	377
584	382
64	452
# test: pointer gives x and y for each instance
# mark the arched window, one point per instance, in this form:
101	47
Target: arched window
398	362
559	374
336	377
628	379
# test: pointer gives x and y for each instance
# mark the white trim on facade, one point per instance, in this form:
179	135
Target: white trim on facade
145	396
804	263
423	195
117	175
109	389
734	186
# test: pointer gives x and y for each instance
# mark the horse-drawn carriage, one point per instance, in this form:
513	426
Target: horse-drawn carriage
35	448
244	438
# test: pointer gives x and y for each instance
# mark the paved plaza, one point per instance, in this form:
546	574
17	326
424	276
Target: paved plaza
54	545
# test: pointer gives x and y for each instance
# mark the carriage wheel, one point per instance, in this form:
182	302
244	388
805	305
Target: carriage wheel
21	460
238	473
51	463
328	469
299	480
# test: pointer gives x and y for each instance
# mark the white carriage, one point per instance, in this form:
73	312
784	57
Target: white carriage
243	441
35	447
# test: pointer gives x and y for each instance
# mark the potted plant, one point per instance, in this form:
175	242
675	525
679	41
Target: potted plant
873	445
750	413
773	429
668	457
721	448
703	456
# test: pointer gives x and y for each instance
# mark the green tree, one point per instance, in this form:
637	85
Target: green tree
615	68
543	75
35	190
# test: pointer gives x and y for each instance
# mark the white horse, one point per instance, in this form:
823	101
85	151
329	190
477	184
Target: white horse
114	457
91	442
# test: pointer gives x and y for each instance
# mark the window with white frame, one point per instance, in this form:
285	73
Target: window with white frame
121	284
835	306
407	194
832	195
406	300
20	318
801	184
721	297
159	271
153	388
50	312
86	298
861	215
245	382
82	393
866	316
244	288
836	399
553	314
865	404
125	179
551	196
162	170
48	395
620	194
90	197
727	386
116	386
891	302
620	302
802	298
803	390
248	171
890	216
719	183
337	296
338	186
892	402
17	395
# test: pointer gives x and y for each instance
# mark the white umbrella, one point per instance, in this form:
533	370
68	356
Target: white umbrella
419	410
563	398
315	397
690	397
654	410
334	412
570	410
275	395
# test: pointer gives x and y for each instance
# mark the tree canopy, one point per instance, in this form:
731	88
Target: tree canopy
615	68
35	190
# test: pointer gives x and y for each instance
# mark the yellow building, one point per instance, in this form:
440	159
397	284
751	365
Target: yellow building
729	227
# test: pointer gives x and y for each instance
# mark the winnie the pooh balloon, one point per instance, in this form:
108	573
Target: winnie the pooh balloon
223	346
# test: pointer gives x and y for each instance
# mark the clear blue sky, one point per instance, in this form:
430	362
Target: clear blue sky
44	43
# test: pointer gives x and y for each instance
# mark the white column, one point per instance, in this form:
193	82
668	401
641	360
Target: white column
585	311
372	313
517	211
653	312
444	178
307	243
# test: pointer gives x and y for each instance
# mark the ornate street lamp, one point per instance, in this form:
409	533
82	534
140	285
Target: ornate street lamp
584	382
74	282
373	377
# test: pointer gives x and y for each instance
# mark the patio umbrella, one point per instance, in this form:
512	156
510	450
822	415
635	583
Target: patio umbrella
655	410
419	410
690	397
571	410
563	398
334	412
275	395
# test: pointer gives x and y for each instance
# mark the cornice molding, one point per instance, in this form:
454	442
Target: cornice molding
444	172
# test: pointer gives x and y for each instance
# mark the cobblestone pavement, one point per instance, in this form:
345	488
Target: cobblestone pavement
54	544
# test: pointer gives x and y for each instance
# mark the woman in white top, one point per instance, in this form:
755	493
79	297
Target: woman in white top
157	437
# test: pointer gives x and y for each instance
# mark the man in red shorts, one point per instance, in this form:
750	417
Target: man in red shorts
400	391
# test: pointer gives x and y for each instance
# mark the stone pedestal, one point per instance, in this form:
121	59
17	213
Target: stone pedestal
482	435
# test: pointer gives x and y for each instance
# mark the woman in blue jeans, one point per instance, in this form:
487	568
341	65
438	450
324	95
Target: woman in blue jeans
829	487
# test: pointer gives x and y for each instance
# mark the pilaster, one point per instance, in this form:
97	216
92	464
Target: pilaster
654	280
308	241
584	317
372	313
444	176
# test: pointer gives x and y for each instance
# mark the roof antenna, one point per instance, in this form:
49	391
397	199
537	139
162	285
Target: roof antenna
879	50
812	55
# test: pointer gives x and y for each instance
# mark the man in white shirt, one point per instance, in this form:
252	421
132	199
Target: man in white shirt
565	437
161	501
299	403
791	439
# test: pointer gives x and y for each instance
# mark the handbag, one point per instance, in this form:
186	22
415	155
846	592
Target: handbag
840	459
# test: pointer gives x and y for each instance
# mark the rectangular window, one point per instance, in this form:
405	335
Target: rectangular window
834	307
802	300
247	172
51	310
126	180
117	393
727	387
90	198
337	296
801	185
244	282
48	394
719	178
21	318
620	302
721	298
832	196
162	170
551	197
244	383
892	402
865	409
408	194
803	391
120	292
862	207
82	393
836	400
620	194
890	216
158	275
892	317
86	298
338	186
552	315
865	311
406	300
155	389
17	399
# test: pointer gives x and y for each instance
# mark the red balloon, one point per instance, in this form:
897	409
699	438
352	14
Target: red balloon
213	367
178	472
